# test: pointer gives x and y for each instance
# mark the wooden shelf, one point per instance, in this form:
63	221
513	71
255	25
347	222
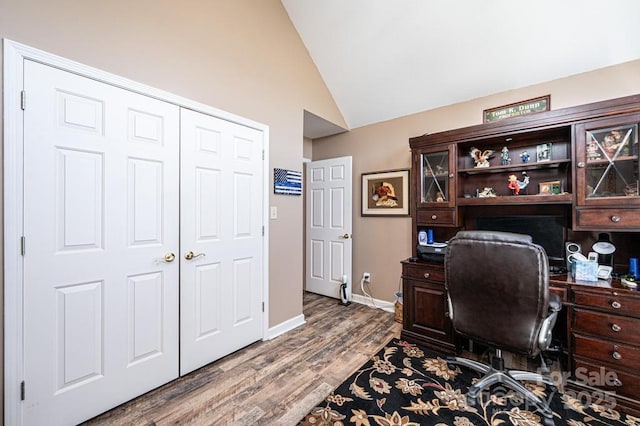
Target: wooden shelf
605	162
516	199
514	168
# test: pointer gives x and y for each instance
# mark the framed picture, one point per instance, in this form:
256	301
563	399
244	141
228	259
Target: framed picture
543	152
385	193
549	188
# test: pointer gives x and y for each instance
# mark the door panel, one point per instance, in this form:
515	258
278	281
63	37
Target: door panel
221	238
100	213
329	216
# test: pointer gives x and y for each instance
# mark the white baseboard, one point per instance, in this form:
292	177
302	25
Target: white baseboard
285	326
365	300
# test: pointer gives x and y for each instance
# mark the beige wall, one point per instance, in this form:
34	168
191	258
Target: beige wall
241	56
380	243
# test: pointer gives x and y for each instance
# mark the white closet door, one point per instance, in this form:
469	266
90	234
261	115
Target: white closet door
221	227
100	213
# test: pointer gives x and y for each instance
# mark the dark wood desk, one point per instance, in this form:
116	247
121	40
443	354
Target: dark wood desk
602	330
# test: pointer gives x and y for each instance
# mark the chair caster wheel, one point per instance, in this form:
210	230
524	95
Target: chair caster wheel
471	401
547	421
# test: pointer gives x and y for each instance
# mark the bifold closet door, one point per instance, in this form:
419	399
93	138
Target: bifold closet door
221	214
101	188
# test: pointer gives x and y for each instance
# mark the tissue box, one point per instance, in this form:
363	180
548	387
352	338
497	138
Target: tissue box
585	270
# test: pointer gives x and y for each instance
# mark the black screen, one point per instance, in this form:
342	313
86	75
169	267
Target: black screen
546	231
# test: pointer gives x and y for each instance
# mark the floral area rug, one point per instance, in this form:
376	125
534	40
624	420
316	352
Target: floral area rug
408	385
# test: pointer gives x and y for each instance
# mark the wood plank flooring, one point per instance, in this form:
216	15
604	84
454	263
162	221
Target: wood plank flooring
268	383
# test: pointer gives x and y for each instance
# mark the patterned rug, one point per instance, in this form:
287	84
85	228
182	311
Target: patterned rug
408	385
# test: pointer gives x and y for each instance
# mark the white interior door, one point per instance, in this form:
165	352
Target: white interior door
328	224
100	214
221	238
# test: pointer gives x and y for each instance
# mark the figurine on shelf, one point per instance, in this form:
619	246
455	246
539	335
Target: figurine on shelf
486	193
504	156
593	152
481	157
613	143
516	185
439	198
524	156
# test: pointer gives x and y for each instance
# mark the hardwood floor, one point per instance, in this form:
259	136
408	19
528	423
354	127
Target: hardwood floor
268	383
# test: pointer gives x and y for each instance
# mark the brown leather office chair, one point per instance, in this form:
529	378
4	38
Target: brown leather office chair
498	289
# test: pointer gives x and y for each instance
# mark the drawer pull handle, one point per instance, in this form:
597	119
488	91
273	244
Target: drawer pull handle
617	382
615	218
616	305
616	355
434	217
426	275
616	327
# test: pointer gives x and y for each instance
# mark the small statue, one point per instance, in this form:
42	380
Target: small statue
524	156
487	192
439	198
504	157
613	143
515	185
481	157
593	152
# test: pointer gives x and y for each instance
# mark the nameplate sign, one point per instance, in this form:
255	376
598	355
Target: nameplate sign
517	109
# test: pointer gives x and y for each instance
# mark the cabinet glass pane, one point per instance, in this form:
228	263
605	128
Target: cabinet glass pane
612	162
435	177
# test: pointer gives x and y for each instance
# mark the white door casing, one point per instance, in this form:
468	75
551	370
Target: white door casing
100	214
81	161
221	238
328	226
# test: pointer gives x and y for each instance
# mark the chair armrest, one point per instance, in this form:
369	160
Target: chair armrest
555	304
545	336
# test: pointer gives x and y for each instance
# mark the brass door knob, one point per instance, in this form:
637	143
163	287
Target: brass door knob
169	257
346	236
190	255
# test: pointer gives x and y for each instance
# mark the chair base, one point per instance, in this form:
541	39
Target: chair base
509	378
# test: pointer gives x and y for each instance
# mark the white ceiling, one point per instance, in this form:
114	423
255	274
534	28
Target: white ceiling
383	59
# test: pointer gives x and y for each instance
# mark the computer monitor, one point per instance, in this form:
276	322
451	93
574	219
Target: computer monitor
546	231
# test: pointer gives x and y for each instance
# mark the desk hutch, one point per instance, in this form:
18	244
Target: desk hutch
583	167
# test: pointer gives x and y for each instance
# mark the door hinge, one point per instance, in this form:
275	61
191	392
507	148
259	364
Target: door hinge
262	311
23	245
263	230
263	154
23	100
22	391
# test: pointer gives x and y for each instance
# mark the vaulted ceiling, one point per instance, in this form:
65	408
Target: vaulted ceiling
383	59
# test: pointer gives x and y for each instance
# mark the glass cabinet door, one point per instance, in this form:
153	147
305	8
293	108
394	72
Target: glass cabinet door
436	173
608	163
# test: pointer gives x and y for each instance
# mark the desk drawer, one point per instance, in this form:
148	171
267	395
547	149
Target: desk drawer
428	272
436	217
620	382
616	354
611	301
601	218
623	329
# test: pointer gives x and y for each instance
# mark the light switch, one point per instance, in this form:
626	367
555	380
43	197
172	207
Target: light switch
274	212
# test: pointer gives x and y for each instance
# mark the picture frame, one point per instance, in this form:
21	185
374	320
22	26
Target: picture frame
553	187
385	193
543	152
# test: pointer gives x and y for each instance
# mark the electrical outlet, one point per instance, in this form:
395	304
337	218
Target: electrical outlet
366	277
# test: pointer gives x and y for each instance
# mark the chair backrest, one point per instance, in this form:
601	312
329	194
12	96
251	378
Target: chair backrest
498	285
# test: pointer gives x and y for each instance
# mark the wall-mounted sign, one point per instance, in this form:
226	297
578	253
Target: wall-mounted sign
530	106
287	182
